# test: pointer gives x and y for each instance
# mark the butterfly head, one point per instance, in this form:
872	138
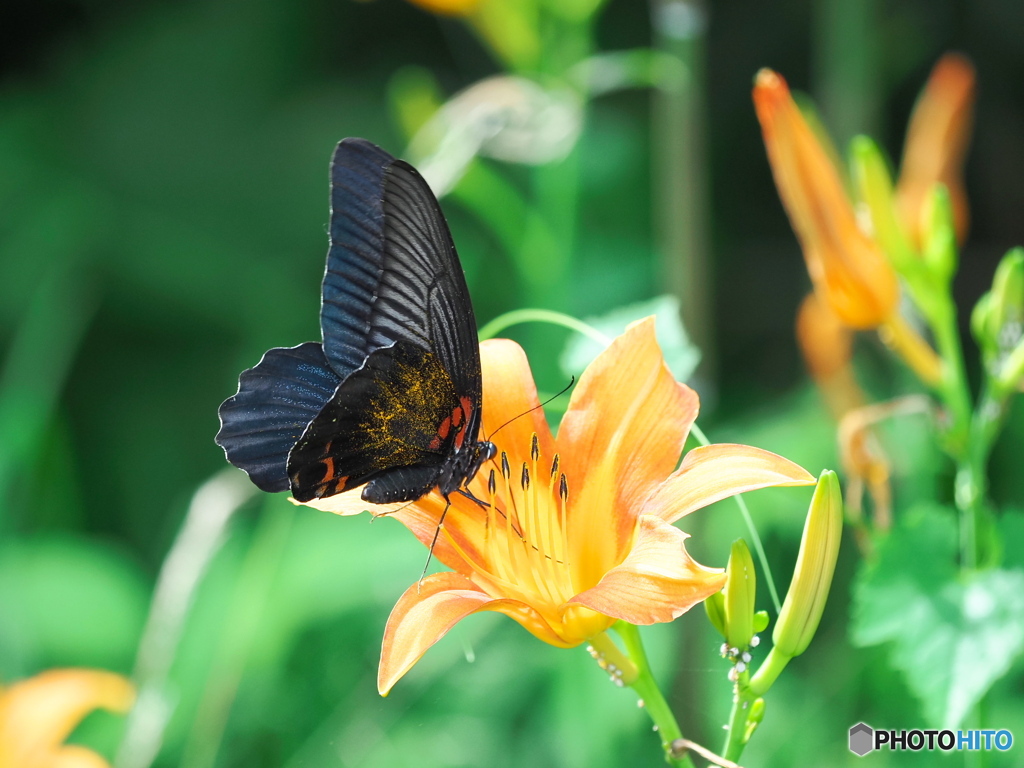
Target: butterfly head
464	464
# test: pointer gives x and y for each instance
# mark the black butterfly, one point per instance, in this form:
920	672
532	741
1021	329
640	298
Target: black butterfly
391	399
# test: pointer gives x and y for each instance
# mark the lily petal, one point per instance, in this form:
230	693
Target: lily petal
714	472
827	347
657	582
349	503
74	756
37	714
937	138
622	434
431	607
510	402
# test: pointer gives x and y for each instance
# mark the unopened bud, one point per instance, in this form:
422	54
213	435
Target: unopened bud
997	321
871	177
714	606
760	621
1008	288
815	564
740	588
938	228
754	718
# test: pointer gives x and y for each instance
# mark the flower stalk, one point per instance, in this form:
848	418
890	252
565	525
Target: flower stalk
799	618
651	697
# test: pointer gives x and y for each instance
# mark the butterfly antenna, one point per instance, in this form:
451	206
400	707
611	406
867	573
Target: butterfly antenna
433	543
555	396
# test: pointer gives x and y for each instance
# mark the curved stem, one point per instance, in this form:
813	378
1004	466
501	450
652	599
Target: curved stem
737	727
762	558
651	697
768	672
901	338
516	316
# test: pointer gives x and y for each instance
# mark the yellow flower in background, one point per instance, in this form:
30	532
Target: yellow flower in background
849	270
936	143
578	529
448	7
38	714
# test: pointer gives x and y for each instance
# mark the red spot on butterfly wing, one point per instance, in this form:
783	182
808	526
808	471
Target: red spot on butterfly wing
442	433
460	415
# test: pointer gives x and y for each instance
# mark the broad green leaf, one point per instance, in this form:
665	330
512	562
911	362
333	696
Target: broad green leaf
952	637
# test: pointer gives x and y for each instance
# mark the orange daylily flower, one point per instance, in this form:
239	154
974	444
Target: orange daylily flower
827	347
849	270
578	532
937	138
37	714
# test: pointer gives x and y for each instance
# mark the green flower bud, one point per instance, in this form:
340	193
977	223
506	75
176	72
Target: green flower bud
740	587
997	321
714	606
819	549
982	321
939	230
1008	299
760	621
754	718
874	186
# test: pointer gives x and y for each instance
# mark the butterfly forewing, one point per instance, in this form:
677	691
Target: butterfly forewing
420	253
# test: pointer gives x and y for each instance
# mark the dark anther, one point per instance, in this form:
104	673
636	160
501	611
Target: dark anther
526	477
563	488
491	485
506	470
535	448
554	466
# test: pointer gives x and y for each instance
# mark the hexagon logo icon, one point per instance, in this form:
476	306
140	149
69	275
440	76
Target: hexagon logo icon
862	738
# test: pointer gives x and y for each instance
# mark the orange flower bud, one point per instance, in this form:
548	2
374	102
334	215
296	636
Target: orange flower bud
937	138
849	270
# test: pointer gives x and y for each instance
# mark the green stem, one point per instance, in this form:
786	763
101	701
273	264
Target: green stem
768	672
762	558
963	438
737	727
748	690
516	316
651	697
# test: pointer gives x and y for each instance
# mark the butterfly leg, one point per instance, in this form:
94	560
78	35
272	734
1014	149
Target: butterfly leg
469	495
433	542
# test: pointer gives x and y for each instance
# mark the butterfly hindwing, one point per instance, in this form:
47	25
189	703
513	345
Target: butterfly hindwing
392	415
275	402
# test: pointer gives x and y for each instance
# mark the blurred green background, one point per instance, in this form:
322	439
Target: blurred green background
163	188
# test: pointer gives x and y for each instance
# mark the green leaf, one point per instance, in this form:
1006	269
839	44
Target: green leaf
952	636
681	355
1010	530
